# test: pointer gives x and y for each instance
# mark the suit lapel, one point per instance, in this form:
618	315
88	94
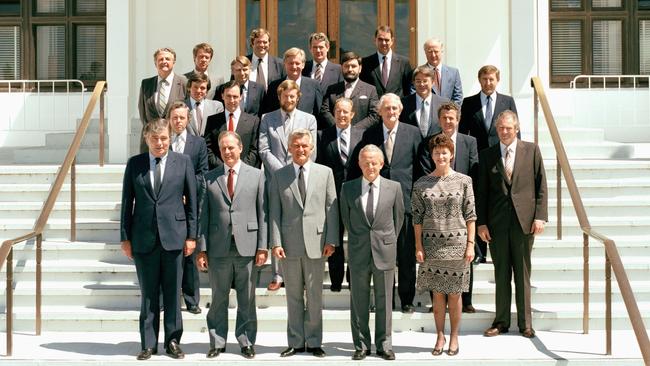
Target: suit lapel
243	175
170	168
460	147
279	130
358	203
382	200
294	186
147	177
222	183
500	166
314	178
521	156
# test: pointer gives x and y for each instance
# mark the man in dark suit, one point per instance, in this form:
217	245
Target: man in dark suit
421	108
184	143
320	68
159	91
200	107
372	210
478	111
233	224
252	93
363	95
512	207
303	220
447	82
386	70
202	54
400	143
334	149
233	119
157	228
311	96
264	67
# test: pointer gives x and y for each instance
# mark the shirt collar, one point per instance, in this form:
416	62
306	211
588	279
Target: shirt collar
169	78
339	131
163	159
484	97
236	167
385	129
236	113
375	183
381	55
182	135
323	65
512	146
305	167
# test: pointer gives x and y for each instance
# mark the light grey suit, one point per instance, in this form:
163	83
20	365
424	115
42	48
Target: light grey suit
372	252
302	231
210	107
235	229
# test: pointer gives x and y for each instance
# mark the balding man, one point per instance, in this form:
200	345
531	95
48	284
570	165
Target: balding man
446	79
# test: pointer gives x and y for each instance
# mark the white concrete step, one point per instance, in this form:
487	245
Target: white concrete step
19	174
102	230
108	192
84	210
589	150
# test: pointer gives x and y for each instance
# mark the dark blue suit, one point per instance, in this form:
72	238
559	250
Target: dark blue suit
310	99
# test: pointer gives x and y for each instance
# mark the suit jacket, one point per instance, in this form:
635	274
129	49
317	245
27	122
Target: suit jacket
247	128
452	88
331	75
465	159
273	143
328	153
403	167
147	107
254	94
376	240
399	78
304	228
525	195
309	102
409	113
276	68
145	214
210	107
472	119
196	149
243	217
364	103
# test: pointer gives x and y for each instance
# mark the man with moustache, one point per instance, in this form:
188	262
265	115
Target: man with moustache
320	68
233	224
159	91
303	220
235	120
200	107
252	93
334	149
363	95
264	67
275	129
385	69
158	227
372	210
446	79
421	108
202	54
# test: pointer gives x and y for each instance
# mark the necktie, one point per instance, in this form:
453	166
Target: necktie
343	146
384	71
318	74
157	177
508	163
488	113
424	119
199	118
436	80
162	97
177	141
231	123
287	126
260	74
390	142
369	204
244	96
348	90
301	185
231	183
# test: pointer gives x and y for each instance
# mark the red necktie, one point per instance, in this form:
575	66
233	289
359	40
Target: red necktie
231	183
231	123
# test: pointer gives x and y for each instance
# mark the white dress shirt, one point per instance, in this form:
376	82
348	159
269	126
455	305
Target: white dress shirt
305	171
513	151
168	89
152	169
492	102
235	118
389	58
265	68
226	172
178	141
365	188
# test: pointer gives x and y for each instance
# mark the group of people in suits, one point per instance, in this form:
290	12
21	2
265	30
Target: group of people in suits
289	155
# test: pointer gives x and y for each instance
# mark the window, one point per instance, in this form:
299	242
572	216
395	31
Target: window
598	37
53	39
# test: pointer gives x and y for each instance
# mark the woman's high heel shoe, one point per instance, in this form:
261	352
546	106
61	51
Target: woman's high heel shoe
438	351
453	352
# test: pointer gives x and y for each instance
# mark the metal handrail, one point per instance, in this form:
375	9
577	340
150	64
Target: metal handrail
612	258
604	78
6	250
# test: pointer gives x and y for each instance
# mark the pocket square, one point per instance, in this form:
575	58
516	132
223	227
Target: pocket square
363	97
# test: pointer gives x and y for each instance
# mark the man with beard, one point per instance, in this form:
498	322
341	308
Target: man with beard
363	95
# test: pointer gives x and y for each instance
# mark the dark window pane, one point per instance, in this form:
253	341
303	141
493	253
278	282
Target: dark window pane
566	4
644	4
644	47
402	32
10	8
566	47
91	52
50	6
252	20
296	20
358	20
90	7
10	53
607	47
50	52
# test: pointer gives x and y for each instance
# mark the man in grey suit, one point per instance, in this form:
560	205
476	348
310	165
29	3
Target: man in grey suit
233	223
304	231
273	141
200	107
320	68
160	91
372	210
447	82
421	108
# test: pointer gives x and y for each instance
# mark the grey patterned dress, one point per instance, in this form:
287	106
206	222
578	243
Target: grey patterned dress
442	205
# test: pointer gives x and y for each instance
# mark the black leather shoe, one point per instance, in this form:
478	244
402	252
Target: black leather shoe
528	333
194	309
469	309
214	352
248	352
290	351
360	354
174	350
386	355
145	354
316	351
408	309
335	288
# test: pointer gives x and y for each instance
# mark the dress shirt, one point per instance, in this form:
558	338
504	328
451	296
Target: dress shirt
152	169
352	86
453	139
385	129
418	105
323	65
389	58
169	79
235	118
178	142
365	188
265	68
492	103
226	171
513	149
305	172
347	138
244	93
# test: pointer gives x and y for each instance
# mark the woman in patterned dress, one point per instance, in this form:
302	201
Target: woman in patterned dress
443	220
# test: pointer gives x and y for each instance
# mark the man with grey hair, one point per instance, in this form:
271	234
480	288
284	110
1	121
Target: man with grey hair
400	143
311	95
446	79
304	231
320	68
